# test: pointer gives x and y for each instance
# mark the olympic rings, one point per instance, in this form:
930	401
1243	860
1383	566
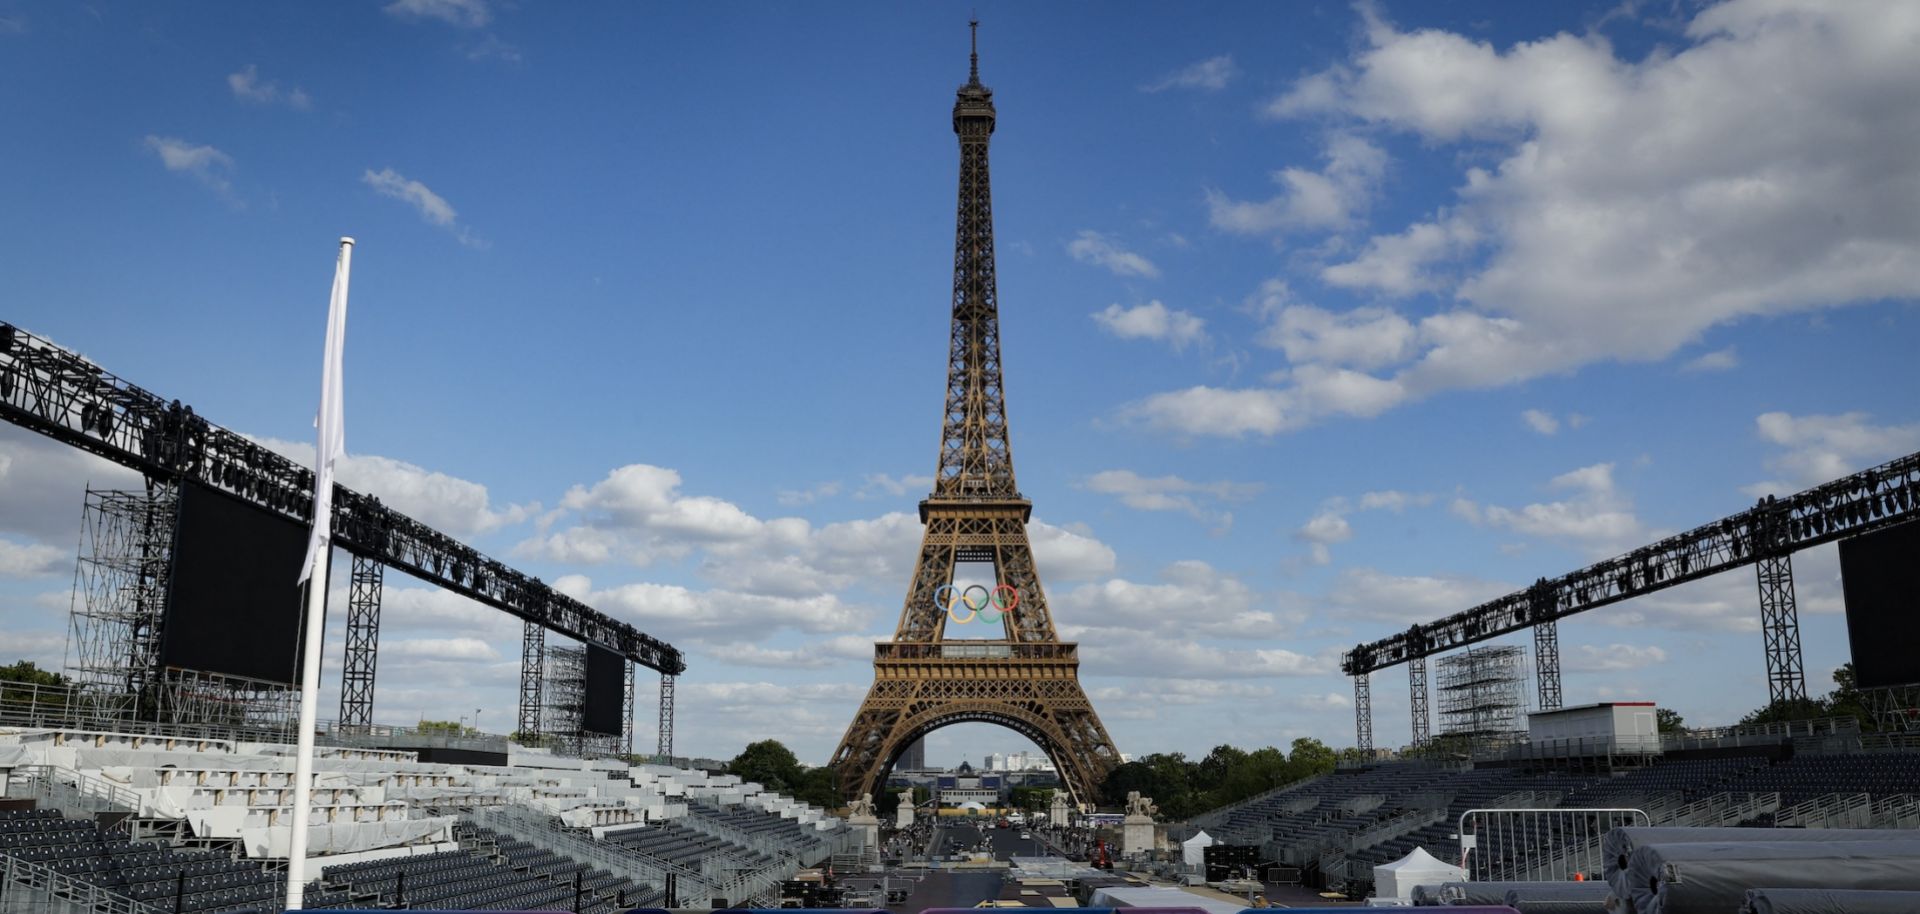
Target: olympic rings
1001	600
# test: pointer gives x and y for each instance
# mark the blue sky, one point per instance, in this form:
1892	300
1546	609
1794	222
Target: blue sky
1319	320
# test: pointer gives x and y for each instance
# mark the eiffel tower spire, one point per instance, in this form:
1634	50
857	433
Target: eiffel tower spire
1026	680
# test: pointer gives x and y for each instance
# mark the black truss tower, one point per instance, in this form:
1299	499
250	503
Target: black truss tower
1363	713
666	717
363	639
1546	661
1780	629
533	675
1417	701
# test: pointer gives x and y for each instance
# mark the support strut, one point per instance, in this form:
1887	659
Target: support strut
363	643
533	672
1780	627
1546	659
666	717
1417	684
626	712
1363	713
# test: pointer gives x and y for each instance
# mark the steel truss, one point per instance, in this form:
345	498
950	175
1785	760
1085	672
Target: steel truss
1780	629
1417	701
1868	500
121	583
566	693
1363	713
666	716
1546	662
533	663
626	711
267	710
1483	693
363	643
62	395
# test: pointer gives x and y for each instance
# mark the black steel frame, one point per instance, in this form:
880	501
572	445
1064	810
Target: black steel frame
62	395
363	642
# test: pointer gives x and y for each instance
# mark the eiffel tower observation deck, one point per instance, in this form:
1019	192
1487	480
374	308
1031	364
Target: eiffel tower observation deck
1027	680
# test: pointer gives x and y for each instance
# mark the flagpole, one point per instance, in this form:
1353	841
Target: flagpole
319	550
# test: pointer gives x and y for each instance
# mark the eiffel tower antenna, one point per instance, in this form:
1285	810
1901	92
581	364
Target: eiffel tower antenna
973	68
1027	679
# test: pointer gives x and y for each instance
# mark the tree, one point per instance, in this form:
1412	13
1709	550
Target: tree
1668	720
24	683
769	764
25	671
449	727
1308	758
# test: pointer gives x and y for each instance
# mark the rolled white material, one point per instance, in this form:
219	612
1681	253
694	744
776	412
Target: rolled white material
1714	878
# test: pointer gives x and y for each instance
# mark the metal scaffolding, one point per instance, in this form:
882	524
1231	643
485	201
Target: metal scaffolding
1363	712
1546	662
120	599
626	710
533	659
566	694
666	715
1780	628
1483	696
1417	700
363	643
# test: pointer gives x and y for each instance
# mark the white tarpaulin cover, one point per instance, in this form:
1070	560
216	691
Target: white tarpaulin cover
1714	878
1397	879
1829	901
1194	849
345	837
1620	843
1119	896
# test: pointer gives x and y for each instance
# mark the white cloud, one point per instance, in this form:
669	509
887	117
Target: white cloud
1540	421
205	164
431	206
247	86
1102	251
447	503
27	560
461	649
1633	204
1330	525
1211	74
1169	493
493	48
809	495
466	14
1327	199
1367	593
1611	658
1153	321
876	485
1819	448
1192	600
1363	338
1596	516
1717	360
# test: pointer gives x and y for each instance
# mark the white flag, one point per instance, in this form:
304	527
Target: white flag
331	420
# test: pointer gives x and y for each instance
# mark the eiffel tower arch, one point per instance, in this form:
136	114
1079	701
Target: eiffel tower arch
1027	680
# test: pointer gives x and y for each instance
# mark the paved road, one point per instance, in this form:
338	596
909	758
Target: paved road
1007	843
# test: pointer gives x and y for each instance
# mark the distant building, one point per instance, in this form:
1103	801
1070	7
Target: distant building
965	787
915	758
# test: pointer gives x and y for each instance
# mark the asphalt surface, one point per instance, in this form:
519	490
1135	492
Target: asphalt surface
1006	842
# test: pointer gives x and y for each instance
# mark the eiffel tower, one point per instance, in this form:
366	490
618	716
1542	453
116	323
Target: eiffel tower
1027	681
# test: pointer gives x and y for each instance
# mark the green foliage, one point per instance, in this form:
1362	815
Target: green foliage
1183	788
1844	701
768	763
449	727
1669	721
24	671
1030	798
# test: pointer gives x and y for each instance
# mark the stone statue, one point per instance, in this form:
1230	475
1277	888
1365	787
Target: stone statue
1138	805
861	807
906	797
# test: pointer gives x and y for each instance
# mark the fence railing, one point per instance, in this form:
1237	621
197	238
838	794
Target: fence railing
1538	844
28	886
545	832
75	791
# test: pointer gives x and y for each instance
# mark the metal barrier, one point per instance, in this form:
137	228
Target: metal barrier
1523	845
27	886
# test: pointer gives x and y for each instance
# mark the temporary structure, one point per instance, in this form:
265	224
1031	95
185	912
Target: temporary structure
1194	850
1397	879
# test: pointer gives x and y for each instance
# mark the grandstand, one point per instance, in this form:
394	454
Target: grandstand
1338	826
141	823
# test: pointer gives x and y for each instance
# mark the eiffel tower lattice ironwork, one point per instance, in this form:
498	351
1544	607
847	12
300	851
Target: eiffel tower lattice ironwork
1028	680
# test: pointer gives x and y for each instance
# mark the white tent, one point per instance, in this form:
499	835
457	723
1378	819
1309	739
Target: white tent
1193	850
1397	879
